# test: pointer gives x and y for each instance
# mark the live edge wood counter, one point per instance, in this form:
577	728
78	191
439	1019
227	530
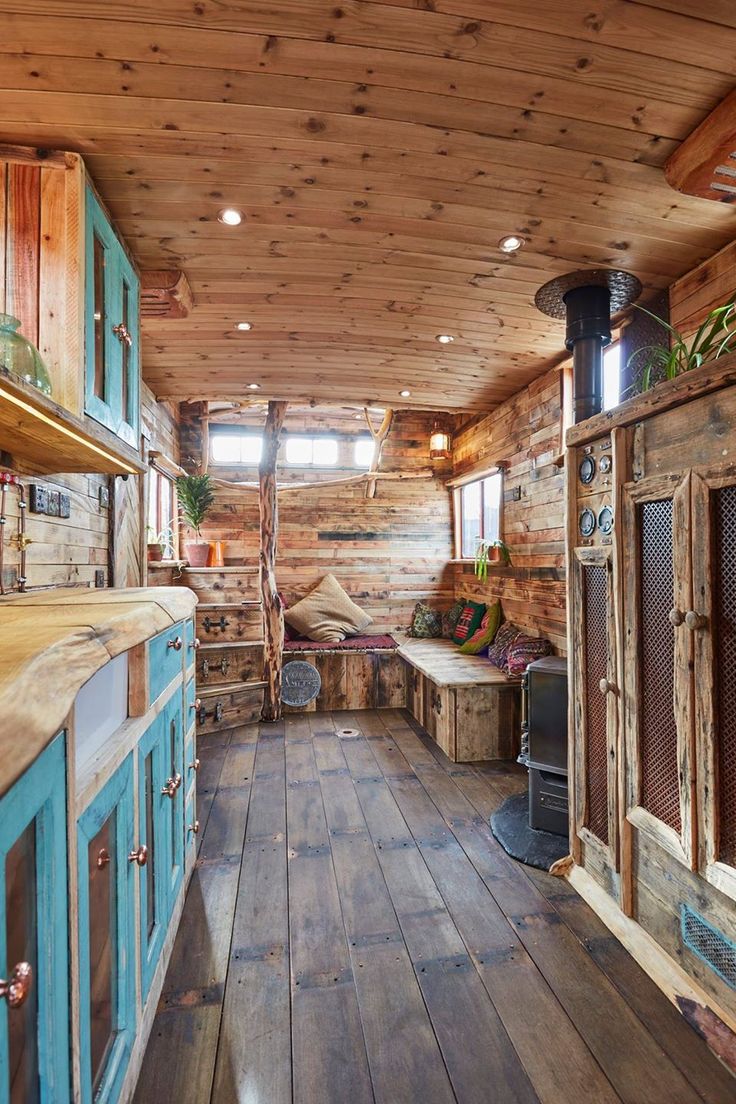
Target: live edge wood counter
53	642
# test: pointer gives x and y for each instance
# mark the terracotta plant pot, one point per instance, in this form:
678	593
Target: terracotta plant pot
216	556
197	553
155	553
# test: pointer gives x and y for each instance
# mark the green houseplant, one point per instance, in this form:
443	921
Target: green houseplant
496	551
159	544
715	338
196	496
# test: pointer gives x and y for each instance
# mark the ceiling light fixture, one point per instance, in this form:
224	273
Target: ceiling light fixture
510	243
230	216
445	339
254	386
244	326
440	441
405	394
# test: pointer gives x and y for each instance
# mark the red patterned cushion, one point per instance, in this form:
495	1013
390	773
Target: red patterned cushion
469	621
498	650
523	650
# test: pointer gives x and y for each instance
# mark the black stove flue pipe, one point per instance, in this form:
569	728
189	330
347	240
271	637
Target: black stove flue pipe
586	301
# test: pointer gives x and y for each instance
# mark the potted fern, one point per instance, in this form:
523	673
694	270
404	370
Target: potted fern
715	338
495	551
196	496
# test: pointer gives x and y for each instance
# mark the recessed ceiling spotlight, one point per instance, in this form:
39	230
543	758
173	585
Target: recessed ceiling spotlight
230	216
254	386
405	394
445	339
244	326
510	243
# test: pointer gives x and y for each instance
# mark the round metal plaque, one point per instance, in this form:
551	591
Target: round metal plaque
587	523
300	683
605	521
623	286
586	471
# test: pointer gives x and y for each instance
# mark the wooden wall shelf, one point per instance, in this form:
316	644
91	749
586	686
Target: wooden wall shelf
39	433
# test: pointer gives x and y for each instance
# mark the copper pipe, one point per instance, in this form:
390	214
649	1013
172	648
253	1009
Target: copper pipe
3	496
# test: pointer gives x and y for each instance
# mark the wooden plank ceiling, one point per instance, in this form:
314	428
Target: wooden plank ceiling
378	152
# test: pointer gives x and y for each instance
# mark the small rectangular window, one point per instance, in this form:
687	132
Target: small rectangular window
324	452
318	452
236	448
299	450
479	506
612	375
363	452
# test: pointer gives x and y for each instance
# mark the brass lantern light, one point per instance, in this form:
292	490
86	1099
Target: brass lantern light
439	441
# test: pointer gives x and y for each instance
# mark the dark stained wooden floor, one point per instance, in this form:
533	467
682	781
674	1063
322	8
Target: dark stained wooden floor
353	933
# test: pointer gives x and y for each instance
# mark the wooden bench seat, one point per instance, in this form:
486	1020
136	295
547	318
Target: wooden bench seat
465	703
367	675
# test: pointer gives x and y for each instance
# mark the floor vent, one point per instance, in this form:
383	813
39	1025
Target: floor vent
709	944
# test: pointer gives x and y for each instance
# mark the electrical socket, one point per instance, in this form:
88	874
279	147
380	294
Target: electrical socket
38	499
100	578
54	504
65	505
104	497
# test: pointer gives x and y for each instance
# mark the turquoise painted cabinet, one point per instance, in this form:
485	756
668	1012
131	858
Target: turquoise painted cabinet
153	847
34	1011
176	783
106	849
112	328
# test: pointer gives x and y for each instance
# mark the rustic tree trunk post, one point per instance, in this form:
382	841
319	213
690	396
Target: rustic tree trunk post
379	436
273	614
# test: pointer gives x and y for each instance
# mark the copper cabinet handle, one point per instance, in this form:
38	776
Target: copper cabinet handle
16	988
676	617
140	855
194	644
175	644
103	859
194	765
122	332
695	621
195	704
172	785
606	687
194	828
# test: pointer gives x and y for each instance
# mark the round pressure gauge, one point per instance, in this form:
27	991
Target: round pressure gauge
605	463
586	471
587	523
605	520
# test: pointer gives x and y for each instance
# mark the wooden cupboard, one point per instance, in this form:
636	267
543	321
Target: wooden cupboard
652	633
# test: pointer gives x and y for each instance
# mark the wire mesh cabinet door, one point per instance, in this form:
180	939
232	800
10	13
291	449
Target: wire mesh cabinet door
657	649
711	625
595	703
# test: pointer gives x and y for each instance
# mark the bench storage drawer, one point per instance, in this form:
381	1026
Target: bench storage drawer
165	658
230	624
223	663
228	706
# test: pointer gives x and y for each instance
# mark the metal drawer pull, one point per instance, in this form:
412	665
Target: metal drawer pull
194	644
224	666
103	859
123	334
606	687
695	621
676	618
175	644
139	856
194	828
195	704
17	987
194	765
172	785
210	623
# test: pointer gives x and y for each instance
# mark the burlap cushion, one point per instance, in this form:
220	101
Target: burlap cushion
327	613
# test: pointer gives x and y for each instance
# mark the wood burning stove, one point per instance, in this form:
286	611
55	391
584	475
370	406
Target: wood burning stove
545	713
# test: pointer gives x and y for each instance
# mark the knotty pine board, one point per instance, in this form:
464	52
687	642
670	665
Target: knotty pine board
525	432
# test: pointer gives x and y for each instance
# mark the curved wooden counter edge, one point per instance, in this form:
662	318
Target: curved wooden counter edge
52	644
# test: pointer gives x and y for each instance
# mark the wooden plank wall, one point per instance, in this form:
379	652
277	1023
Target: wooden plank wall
526	432
387	552
710	285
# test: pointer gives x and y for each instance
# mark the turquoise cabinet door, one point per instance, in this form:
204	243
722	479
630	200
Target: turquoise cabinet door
112	328
153	835
176	783
34	1032
105	842
165	659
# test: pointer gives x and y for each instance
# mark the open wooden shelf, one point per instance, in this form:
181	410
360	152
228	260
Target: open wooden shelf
39	433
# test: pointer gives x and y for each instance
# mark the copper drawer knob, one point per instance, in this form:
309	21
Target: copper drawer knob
16	989
194	643
194	827
172	785
606	687
195	704
695	621
103	859
676	618
139	856
194	765
175	644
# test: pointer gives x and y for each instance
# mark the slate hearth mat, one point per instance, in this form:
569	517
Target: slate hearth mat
510	826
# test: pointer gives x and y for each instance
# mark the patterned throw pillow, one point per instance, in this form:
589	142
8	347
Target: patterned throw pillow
470	620
426	622
451	618
499	648
523	650
484	634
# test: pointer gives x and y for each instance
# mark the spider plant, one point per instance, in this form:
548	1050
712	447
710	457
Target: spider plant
484	553
715	337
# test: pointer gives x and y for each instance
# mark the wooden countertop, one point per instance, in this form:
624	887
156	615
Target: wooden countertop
53	642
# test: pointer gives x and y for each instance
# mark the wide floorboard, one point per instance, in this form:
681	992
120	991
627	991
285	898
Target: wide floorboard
353	933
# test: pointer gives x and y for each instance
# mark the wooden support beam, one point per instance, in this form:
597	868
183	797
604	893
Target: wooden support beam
273	613
379	436
342	481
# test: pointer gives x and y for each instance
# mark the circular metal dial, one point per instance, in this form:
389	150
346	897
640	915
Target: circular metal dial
586	471
587	523
605	463
605	520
